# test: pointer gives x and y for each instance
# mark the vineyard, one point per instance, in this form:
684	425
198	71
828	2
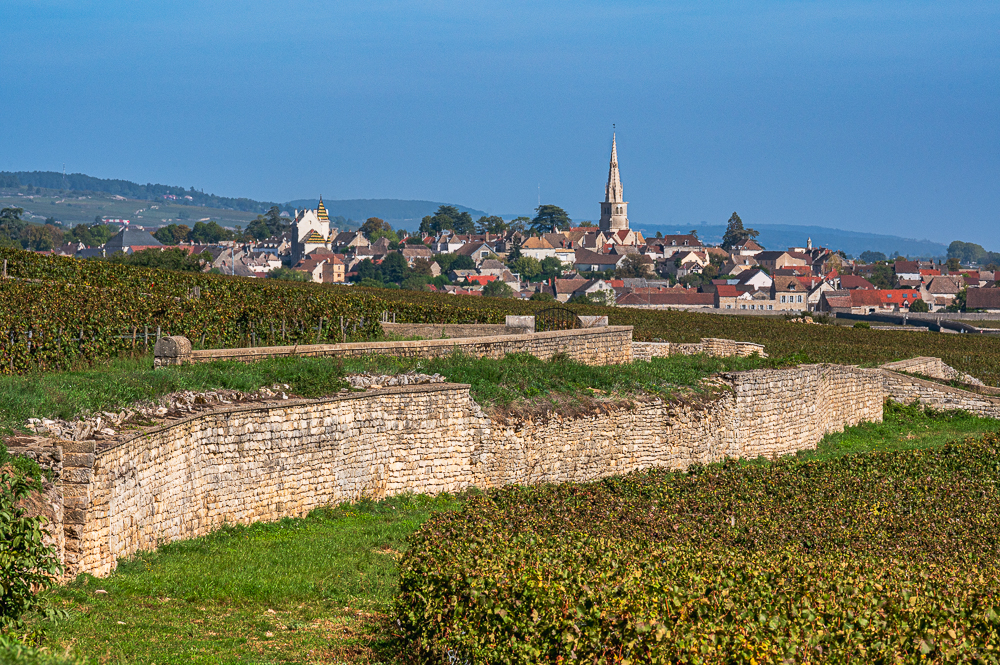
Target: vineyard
883	557
56	312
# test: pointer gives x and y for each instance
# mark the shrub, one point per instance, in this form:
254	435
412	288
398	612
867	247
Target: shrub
27	565
290	275
882	557
863	325
498	289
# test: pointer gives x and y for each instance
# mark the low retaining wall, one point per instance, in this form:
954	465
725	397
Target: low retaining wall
269	461
932	367
449	330
610	345
907	389
711	346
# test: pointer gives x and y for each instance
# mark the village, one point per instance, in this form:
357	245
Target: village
608	263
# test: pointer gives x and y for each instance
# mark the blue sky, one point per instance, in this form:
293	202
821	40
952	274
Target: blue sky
870	116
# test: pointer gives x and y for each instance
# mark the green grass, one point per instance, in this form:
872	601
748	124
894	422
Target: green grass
494	382
317	590
903	427
299	590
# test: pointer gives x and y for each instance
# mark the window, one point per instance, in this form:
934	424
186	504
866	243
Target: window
782	298
729	306
888	295
743	306
685	243
770	306
753	306
800	299
673	242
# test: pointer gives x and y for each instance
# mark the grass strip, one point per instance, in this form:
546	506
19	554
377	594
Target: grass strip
498	383
310	590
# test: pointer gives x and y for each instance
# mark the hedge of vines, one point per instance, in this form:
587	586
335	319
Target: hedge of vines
55	311
91	309
884	557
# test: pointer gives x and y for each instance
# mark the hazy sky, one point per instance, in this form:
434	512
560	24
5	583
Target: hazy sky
872	116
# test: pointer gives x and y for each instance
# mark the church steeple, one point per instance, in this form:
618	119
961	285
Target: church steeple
613	190
321	211
614	209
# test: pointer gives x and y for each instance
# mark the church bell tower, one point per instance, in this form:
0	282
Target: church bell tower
614	209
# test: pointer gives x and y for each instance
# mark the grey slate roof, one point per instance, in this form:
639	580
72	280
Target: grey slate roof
131	237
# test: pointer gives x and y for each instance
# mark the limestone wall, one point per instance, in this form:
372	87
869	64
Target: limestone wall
611	345
263	463
907	389
268	461
711	346
932	367
448	330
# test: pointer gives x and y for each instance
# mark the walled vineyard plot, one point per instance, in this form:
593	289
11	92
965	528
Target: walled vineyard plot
55	310
884	557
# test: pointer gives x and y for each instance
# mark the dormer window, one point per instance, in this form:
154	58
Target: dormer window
685	243
673	242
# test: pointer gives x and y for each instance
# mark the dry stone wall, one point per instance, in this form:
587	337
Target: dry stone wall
932	367
610	345
268	461
720	348
448	330
907	389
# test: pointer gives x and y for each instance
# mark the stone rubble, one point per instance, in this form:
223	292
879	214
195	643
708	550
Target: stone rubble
376	381
105	425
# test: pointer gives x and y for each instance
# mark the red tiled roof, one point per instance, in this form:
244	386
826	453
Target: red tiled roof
879	297
482	280
727	291
855	282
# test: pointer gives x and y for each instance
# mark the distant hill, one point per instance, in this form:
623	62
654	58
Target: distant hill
399	213
781	236
79	182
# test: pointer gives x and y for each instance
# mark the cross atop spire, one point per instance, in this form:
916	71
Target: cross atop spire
613	191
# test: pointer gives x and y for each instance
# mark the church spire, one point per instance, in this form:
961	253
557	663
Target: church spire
613	190
321	211
614	209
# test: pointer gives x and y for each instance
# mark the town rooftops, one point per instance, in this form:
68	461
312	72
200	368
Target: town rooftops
983	298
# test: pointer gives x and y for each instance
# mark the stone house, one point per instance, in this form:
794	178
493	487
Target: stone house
789	293
773	260
538	248
986	299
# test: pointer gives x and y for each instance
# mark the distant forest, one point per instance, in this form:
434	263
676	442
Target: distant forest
78	182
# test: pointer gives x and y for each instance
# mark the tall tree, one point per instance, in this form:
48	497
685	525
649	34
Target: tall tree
736	234
447	218
491	224
548	217
375	225
514	253
175	234
394	268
